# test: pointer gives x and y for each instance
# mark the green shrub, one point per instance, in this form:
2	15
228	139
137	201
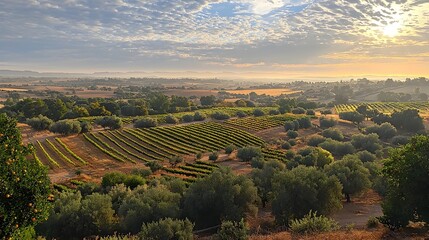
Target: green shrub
39	123
366	156
304	122
111	122
247	153
233	231
66	127
274	112
310	112
213	156
290	155
290	125
315	140
400	140
258	112
241	114
146	123
286	145
292	142
327	123
292	134
333	133
171	119
187	118
372	222
220	115
167	229
229	149
198	155
198	116
311	223
257	162
298	110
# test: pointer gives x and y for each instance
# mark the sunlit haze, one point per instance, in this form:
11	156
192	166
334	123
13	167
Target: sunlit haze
255	39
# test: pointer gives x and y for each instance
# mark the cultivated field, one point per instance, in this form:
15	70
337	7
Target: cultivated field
268	91
385	107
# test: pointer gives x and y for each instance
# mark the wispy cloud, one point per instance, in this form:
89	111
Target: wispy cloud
219	35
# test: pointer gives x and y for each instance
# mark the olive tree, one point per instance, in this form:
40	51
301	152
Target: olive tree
302	189
352	174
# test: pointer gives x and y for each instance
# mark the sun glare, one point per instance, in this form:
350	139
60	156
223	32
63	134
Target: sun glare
391	30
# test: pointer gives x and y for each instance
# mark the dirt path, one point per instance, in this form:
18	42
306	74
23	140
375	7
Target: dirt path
359	210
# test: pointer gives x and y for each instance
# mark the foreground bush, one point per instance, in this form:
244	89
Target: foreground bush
220	196
233	231
315	140
167	229
302	189
24	185
311	223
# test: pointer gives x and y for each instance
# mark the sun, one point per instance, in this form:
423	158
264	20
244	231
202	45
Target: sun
391	30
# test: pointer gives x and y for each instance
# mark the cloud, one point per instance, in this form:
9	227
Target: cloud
208	34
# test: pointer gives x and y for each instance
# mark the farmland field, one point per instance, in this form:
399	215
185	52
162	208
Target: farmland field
144	145
260	123
385	107
268	91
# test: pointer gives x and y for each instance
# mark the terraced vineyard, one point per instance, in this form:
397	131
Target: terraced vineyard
272	154
131	145
191	171
261	123
56	154
384	107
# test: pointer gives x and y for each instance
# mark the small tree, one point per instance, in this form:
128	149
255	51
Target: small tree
258	112
146	123
407	174
213	156
247	153
24	185
333	133
298	110
112	122
327	122
290	125
154	166
352	174
198	116
39	123
167	229
292	134
368	142
187	118
171	119
302	189
175	160
220	196
229	149
66	127
220	115
230	230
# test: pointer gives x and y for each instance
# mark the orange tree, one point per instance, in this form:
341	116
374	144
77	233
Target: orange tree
24	185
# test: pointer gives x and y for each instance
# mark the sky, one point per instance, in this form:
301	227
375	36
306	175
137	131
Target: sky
272	39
